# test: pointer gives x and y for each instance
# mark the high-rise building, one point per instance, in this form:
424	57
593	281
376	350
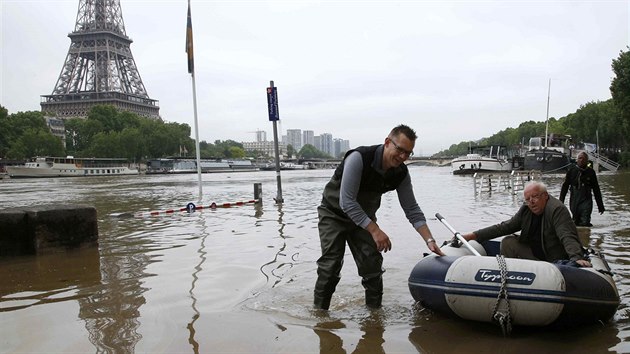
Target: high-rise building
308	137
345	146
326	139
294	138
340	147
261	135
297	138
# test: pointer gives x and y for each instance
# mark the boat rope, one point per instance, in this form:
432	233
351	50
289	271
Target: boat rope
558	169
501	311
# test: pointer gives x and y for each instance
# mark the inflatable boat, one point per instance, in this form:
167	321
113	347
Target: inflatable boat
510	291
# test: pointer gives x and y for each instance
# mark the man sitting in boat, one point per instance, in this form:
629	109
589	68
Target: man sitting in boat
547	230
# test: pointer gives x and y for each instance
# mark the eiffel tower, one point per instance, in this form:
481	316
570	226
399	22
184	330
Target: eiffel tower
99	67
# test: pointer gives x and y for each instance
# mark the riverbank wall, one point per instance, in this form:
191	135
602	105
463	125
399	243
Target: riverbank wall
47	229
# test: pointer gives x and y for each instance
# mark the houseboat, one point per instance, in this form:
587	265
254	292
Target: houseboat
550	155
482	159
71	167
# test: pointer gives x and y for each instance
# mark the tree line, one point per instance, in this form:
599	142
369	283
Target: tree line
591	123
606	122
108	132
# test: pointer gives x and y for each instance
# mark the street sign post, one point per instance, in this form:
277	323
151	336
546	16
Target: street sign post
272	108
272	103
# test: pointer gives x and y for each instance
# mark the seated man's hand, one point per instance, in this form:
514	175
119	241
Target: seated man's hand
584	263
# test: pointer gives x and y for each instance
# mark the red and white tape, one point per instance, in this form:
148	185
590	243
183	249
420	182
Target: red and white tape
191	207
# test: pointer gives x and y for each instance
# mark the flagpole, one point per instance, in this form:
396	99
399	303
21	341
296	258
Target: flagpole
191	70
197	138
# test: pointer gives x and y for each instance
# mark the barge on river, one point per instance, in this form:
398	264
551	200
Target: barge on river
71	167
178	165
551	155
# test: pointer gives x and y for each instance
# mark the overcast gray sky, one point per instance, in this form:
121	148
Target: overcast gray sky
453	70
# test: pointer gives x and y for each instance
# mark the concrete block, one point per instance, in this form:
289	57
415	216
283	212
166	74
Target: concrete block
47	228
15	233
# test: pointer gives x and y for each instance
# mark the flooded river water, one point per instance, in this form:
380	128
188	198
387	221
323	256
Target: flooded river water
240	279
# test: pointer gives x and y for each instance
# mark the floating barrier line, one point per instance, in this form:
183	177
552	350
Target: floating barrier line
191	207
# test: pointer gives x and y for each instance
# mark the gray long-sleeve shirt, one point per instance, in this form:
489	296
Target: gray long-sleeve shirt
351	180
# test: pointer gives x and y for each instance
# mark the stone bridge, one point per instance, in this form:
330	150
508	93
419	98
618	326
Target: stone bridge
429	161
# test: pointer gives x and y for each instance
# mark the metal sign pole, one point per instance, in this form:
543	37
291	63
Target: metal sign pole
274	116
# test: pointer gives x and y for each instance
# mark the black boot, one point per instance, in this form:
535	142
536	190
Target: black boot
373	300
373	291
324	288
322	302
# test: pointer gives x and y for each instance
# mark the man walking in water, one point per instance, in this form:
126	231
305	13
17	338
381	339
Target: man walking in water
347	214
581	180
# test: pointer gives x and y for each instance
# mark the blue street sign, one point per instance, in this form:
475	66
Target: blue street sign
272	103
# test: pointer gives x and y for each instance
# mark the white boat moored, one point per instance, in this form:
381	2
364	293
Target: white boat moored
482	159
71	167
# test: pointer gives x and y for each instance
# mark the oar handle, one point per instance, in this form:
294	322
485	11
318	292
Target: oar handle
457	235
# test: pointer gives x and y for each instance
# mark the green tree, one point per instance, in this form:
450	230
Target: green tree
209	150
104	144
79	134
290	151
236	152
620	91
5	127
139	137
593	119
158	142
16	124
108	116
224	149
309	151
132	144
36	142
556	126
25	134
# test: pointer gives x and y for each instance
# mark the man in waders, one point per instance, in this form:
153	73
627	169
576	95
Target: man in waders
347	214
581	180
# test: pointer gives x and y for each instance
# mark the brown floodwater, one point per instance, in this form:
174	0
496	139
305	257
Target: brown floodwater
240	279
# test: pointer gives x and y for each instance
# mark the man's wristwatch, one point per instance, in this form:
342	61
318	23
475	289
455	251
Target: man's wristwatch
430	240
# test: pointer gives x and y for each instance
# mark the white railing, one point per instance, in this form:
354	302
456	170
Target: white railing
499	182
603	161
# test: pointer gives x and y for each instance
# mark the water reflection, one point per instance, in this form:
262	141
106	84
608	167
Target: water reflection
475	337
329	342
268	269
373	328
37	280
258	212
282	261
111	313
195	277
371	341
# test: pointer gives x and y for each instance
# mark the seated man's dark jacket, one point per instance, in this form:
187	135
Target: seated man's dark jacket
559	234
